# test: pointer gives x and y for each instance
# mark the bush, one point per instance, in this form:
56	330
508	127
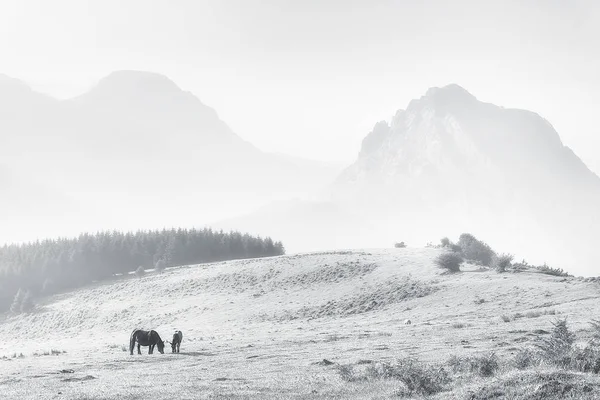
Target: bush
524	359
399	245
445	242
485	365
418	378
502	262
449	261
586	359
557	349
475	250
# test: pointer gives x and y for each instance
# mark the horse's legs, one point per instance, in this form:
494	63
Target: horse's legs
178	344
139	351
150	349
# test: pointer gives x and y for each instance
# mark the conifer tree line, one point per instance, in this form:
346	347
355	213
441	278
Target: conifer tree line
46	267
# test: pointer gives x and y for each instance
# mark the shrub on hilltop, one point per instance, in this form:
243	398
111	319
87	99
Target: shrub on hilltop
475	250
501	262
449	261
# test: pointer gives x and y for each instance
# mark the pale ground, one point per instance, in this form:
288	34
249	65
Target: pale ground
258	328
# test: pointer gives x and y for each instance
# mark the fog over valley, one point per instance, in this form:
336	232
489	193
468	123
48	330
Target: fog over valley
280	199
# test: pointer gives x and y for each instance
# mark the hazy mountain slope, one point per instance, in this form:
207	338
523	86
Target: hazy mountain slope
307	225
452	163
136	151
259	327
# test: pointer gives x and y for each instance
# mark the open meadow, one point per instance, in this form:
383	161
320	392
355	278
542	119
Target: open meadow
309	326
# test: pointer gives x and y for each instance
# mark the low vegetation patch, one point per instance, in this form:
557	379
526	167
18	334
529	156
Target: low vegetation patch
537	385
482	365
555	368
370	298
545	269
417	377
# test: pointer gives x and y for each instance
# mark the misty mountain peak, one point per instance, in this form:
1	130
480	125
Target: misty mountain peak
449	133
7	81
452	90
136	82
10	87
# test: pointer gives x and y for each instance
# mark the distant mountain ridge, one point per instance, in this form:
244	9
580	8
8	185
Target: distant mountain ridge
451	162
137	151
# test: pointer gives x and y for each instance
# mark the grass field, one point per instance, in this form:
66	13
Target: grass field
321	325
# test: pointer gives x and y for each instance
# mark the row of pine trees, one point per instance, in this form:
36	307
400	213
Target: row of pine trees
50	266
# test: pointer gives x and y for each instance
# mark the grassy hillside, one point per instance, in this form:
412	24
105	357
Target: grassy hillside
262	329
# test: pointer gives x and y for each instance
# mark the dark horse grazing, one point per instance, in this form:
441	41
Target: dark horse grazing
176	343
146	338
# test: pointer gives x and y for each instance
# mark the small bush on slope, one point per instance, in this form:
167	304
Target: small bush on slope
557	349
449	261
524	359
475	250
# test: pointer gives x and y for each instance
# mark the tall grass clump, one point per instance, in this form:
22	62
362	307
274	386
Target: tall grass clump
449	261
524	358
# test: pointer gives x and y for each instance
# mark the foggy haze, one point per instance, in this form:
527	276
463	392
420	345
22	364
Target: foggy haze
142	115
303	199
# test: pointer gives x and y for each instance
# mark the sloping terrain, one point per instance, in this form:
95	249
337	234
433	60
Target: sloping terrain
262	328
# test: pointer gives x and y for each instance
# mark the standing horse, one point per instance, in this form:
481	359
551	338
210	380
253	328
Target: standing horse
176	343
146	338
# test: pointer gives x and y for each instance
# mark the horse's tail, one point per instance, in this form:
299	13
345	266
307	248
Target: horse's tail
132	341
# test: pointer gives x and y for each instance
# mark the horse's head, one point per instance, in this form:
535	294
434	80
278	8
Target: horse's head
161	346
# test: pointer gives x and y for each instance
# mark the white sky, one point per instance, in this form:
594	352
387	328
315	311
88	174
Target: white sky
311	77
